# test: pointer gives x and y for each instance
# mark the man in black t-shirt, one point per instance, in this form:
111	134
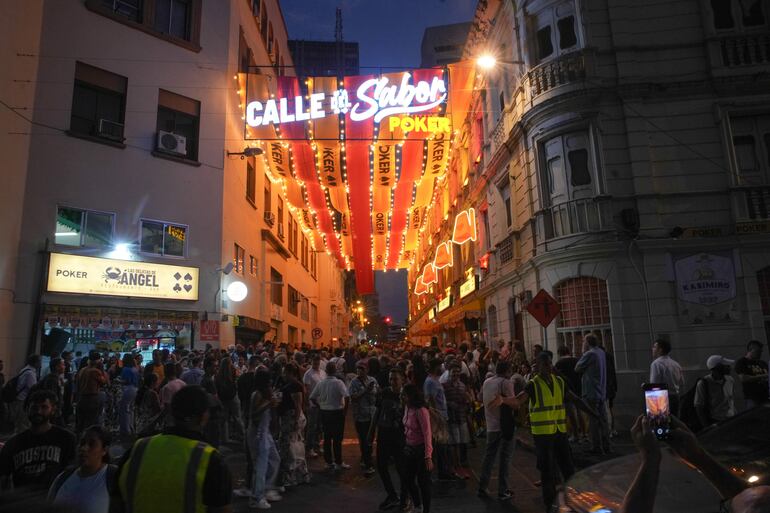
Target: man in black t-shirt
388	421
33	458
752	371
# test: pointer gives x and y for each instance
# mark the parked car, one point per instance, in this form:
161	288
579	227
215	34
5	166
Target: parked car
741	443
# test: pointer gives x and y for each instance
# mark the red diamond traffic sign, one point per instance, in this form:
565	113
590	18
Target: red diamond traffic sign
544	308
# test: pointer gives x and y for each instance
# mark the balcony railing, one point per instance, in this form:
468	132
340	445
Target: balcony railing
753	203
567	69
577	216
747	50
500	133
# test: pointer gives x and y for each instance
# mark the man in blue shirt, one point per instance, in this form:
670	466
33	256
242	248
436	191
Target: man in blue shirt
593	369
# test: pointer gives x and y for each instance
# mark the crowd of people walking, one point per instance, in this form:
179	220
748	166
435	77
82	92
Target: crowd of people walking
424	407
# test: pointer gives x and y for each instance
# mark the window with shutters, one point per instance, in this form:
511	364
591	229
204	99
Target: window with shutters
276	287
555	31
751	145
737	15
568	167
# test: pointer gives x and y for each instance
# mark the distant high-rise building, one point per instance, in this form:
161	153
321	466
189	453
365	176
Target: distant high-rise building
442	44
324	58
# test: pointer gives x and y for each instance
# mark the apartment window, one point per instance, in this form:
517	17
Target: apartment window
239	258
263	25
293	336
268	195
751	144
492	321
252	265
76	227
505	193
164	239
304	311
173	17
276	287
256	8
178	119
293	300
569	167
737	14
270	39
313	314
98	103
555	31
131	9
251	182
175	21
304	252
279	211
313	264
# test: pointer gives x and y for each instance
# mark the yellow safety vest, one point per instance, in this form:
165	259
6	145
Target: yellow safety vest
165	473
546	409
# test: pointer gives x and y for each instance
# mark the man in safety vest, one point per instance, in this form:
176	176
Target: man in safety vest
546	393
175	472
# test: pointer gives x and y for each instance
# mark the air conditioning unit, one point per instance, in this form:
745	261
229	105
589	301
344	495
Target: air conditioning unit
172	143
110	130
270	218
280	230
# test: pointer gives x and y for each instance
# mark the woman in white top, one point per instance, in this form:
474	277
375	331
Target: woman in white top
84	488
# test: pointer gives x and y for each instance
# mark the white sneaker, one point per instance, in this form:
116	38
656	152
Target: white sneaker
279	489
260	504
312	454
242	492
343	466
273	496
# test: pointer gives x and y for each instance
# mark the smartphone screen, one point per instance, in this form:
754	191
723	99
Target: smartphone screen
656	402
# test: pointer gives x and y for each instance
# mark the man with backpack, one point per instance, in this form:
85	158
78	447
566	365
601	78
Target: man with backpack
17	389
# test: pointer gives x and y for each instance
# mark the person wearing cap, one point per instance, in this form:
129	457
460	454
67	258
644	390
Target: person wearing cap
715	393
176	471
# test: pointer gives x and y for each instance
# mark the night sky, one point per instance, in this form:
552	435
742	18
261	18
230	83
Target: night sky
389	34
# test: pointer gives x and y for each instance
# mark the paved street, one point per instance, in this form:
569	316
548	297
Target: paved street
331	491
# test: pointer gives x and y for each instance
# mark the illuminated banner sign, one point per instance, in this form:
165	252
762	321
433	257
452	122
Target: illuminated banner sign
469	285
376	99
444	303
108	277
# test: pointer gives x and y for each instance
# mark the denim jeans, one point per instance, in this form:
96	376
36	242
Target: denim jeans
495	443
265	455
126	410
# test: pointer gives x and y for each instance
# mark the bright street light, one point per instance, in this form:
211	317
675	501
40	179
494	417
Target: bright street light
237	291
486	61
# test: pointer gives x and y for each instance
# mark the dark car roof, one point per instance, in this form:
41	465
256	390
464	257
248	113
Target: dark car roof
741	443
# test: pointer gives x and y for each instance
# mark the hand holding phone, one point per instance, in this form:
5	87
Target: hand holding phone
658	410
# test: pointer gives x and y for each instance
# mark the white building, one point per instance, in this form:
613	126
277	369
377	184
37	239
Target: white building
625	160
135	109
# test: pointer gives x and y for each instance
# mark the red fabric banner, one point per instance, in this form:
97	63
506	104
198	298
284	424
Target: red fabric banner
358	169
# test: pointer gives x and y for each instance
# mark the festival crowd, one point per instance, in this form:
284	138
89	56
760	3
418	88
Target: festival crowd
416	410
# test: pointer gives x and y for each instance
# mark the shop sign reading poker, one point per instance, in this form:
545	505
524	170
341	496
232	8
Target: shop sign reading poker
376	98
108	277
